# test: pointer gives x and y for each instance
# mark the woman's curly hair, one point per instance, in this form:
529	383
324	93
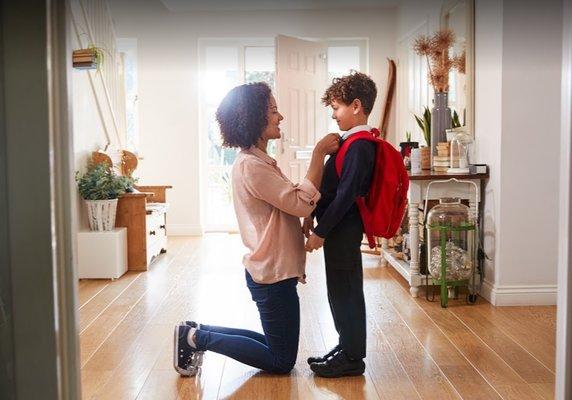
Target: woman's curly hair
242	114
346	89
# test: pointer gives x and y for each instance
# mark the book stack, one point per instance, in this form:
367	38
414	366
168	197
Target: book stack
85	59
442	160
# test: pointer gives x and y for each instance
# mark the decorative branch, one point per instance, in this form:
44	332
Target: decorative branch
439	63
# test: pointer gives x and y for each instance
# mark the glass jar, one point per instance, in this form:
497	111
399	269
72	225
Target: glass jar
450	245
459	157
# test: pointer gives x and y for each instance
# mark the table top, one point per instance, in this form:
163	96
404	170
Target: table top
427	175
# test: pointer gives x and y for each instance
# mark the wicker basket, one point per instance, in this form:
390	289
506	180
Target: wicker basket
101	214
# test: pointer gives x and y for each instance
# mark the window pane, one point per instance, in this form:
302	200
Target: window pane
259	59
342	59
260	66
221	73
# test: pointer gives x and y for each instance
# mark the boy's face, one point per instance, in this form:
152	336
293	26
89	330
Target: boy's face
346	115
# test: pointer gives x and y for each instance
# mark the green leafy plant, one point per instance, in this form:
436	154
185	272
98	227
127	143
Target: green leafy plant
456	123
100	182
424	123
407	136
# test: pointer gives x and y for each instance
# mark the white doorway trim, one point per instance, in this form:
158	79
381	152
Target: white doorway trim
564	311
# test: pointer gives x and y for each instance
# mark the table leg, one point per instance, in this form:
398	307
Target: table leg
414	240
384	247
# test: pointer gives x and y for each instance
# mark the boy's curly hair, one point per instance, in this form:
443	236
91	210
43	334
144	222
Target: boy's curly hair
242	114
346	89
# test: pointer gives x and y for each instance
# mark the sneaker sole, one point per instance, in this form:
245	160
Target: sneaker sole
181	371
355	372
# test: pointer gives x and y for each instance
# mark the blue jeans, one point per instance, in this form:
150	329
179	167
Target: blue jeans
276	350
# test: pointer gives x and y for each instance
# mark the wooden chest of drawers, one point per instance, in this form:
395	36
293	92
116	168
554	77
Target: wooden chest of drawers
144	214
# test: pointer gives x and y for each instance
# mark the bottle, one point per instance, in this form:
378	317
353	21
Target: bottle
415	161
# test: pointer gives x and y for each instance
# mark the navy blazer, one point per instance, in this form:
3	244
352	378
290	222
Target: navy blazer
339	194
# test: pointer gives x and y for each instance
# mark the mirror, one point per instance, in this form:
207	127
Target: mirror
458	15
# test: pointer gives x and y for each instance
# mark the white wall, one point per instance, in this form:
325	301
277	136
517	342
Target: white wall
518	77
488	126
168	79
90	115
532	62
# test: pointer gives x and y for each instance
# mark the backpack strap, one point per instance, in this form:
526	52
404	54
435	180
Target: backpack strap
372	136
341	154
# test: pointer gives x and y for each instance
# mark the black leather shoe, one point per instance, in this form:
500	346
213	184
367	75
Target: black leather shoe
338	365
312	360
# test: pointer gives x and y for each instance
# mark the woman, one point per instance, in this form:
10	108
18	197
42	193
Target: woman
268	208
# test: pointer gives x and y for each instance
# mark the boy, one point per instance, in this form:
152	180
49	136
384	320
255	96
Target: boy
340	228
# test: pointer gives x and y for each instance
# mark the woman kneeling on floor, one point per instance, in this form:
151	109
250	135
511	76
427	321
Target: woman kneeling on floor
268	208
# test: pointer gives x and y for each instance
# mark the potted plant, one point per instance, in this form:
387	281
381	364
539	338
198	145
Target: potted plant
407	145
424	123
100	187
437	51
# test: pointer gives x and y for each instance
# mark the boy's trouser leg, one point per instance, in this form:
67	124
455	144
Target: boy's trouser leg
347	303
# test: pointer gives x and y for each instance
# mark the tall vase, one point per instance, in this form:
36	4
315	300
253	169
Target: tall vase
440	121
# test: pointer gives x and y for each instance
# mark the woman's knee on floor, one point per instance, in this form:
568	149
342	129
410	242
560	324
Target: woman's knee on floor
283	368
284	365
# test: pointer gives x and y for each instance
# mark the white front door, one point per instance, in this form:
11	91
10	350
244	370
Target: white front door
301	78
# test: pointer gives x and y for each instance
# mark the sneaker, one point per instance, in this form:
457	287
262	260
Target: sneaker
332	352
186	360
192	324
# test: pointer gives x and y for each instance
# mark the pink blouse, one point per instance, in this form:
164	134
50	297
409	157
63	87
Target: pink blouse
268	209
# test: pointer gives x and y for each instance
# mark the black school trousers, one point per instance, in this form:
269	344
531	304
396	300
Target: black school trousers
344	279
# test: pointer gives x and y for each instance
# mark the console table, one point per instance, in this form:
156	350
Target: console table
416	196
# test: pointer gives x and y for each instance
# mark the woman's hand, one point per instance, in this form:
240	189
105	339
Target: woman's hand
328	144
308	226
314	243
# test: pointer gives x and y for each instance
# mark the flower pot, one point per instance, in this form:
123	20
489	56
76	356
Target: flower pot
406	148
425	157
101	214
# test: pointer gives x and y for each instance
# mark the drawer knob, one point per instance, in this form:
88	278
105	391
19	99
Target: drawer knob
152	233
161	226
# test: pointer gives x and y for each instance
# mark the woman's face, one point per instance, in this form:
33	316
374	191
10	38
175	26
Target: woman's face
272	130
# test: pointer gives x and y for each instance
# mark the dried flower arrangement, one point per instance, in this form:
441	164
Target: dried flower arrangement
439	62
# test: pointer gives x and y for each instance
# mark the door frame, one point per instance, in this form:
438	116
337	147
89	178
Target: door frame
564	309
38	205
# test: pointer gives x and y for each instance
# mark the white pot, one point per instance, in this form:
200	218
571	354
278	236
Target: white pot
101	214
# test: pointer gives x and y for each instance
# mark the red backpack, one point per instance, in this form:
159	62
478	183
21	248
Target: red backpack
382	209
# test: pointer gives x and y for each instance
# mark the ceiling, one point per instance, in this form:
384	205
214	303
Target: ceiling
273	5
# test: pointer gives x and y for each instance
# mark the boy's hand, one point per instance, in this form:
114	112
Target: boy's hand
314	243
328	144
308	226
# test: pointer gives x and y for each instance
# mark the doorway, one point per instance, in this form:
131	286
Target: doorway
226	63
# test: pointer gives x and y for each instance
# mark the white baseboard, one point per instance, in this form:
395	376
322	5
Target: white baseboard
525	295
184	230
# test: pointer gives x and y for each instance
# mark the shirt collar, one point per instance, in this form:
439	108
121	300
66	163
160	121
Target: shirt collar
262	155
356	129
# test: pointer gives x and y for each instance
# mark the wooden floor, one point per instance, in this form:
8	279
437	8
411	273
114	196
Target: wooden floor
416	350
